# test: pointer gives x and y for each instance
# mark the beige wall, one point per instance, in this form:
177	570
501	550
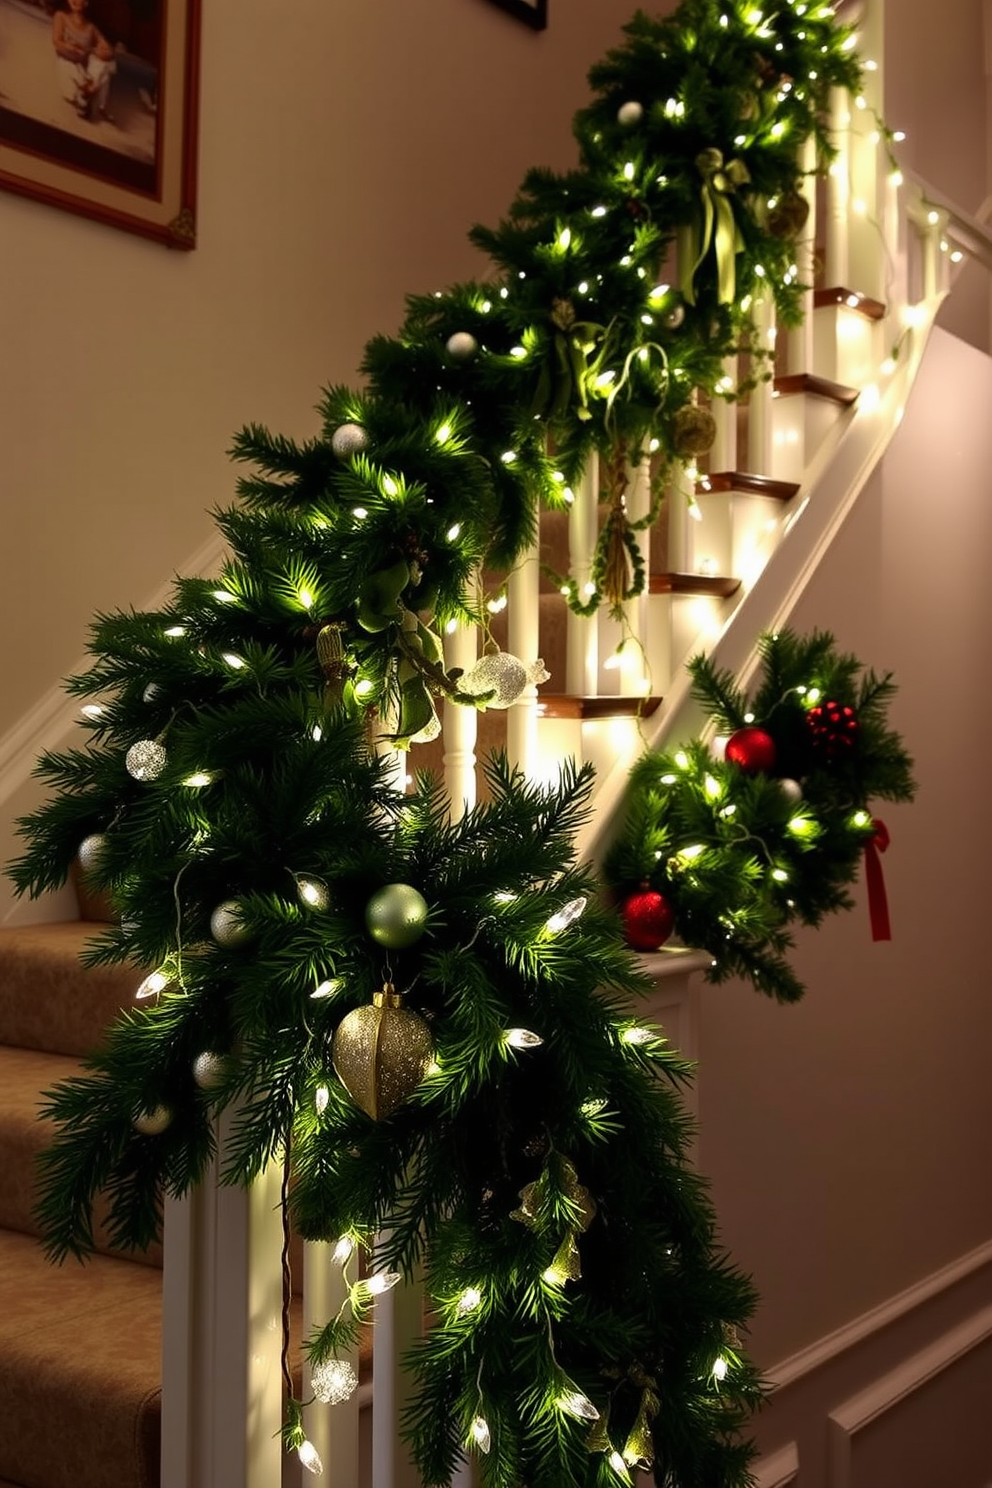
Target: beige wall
345	149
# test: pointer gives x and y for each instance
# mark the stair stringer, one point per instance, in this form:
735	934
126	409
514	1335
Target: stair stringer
831	487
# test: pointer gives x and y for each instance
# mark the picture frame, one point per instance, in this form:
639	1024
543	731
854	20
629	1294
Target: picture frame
99	110
533	13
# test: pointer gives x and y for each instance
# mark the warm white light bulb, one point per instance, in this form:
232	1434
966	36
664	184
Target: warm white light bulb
453	533
310	1458
574	1403
566	915
469	1300
306	599
225	596
443	434
234	661
637	1035
389	486
197	781
383	1281
565	238
720	1367
619	1466
152	985
312	892
321	1097
522	1038
480	1433
343	1251
326	988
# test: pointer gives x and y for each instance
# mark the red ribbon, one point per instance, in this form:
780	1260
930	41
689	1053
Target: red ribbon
878	904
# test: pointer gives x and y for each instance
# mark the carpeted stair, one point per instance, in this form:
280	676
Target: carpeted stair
80	1373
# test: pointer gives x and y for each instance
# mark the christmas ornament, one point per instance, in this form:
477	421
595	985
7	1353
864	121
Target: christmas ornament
791	790
91	850
381	1053
333	1381
396	916
348	440
503	675
638	1449
145	760
834	727
461	346
226	925
788	217
210	1069
674	317
693	430
430	730
648	920
153	1122
752	749
630	113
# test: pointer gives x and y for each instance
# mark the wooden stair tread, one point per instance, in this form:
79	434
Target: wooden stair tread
750	485
817	387
38	966
568	705
838	294
717	586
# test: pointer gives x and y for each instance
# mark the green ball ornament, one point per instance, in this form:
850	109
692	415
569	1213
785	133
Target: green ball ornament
396	916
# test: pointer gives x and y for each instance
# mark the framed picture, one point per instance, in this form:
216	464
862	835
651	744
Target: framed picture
534	12
98	110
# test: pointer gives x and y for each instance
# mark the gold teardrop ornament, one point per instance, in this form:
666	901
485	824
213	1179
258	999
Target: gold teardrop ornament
381	1053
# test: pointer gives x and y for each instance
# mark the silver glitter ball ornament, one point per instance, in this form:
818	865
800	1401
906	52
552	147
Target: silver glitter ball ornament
333	1381
503	675
462	346
153	1122
209	1069
348	440
791	790
396	916
91	850
226	925
145	760
630	113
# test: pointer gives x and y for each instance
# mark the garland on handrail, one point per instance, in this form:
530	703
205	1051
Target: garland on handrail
729	844
419	1017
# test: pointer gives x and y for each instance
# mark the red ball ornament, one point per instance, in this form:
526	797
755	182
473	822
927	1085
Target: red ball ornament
648	920
834	728
752	749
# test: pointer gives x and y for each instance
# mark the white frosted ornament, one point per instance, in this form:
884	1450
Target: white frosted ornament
145	760
226	925
502	674
209	1069
348	440
333	1381
630	113
153	1122
461	346
791	790
91	850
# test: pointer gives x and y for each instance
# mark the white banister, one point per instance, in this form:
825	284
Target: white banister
759	424
523	630
332	1429
581	636
723	453
460	725
222	1332
838	191
633	671
799	346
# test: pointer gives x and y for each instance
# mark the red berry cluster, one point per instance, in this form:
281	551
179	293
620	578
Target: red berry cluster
834	727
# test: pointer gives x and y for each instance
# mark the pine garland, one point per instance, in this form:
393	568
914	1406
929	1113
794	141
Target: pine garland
741	851
230	802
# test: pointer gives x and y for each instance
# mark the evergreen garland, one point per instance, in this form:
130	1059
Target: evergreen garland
740	849
229	800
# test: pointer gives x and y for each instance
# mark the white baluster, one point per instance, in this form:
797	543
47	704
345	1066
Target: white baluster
723	454
759	424
523	640
581	636
222	1332
681	501
867	266
633	674
836	250
333	1429
460	725
399	1316
800	337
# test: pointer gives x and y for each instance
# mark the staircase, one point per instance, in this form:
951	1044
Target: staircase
81	1349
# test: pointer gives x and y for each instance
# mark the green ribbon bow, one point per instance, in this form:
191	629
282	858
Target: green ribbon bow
719	228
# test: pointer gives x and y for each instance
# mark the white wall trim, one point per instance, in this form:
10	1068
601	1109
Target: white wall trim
891	1389
807	1360
50	720
778	1469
